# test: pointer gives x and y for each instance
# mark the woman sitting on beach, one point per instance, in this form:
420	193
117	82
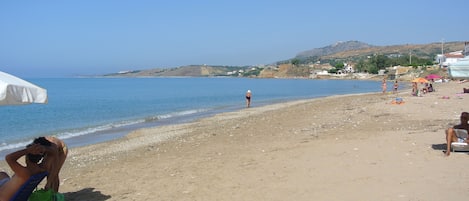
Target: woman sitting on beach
430	88
415	90
457	134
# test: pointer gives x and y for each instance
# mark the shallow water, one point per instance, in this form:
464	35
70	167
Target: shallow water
89	110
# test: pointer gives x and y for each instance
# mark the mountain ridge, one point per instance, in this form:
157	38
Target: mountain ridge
350	51
339	46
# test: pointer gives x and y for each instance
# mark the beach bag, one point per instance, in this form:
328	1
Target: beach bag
46	195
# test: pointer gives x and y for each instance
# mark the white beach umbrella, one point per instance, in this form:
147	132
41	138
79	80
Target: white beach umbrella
15	91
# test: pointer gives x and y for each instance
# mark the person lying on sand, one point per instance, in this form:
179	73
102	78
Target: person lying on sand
455	135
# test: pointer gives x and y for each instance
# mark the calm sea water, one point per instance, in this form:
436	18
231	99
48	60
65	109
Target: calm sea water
89	110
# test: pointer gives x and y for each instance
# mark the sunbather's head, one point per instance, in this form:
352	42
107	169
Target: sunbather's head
464	117
42	141
35	158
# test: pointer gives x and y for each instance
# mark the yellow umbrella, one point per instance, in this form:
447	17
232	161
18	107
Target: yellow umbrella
420	79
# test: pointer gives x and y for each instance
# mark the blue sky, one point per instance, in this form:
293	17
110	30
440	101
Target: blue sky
93	37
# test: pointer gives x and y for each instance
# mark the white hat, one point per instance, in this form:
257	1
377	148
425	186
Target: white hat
249	91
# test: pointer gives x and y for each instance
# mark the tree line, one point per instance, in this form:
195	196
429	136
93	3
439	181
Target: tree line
370	64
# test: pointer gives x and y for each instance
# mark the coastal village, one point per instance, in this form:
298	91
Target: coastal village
341	64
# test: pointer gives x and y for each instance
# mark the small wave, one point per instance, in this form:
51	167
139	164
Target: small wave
16	145
74	133
96	129
102	128
174	114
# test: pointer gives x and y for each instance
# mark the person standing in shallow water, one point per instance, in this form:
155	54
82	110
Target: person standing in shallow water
248	98
383	85
396	85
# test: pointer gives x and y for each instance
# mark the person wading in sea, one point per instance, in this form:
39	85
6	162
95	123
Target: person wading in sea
248	98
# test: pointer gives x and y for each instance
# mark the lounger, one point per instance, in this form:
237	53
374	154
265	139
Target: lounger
459	146
27	188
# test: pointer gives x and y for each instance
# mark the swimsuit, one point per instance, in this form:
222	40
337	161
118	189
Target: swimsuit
461	134
247	97
4	180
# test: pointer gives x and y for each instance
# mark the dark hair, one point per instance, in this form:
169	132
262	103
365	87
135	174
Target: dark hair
35	158
42	141
465	115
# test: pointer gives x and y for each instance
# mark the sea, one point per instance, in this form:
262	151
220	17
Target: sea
84	111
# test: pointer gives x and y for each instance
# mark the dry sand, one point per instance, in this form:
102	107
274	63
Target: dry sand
354	147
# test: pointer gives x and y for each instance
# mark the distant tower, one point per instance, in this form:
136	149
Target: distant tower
466	48
442	44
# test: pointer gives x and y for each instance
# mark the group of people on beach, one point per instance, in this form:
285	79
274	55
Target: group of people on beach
48	154
426	89
384	87
44	154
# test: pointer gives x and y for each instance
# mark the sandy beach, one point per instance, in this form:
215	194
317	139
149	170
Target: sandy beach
353	147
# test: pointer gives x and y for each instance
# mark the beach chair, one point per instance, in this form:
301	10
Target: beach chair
27	188
459	147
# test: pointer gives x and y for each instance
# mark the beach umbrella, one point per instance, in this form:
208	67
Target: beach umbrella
420	79
432	76
16	91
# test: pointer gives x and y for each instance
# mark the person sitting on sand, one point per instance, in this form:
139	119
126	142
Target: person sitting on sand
454	135
430	87
425	88
10	185
248	98
415	90
54	158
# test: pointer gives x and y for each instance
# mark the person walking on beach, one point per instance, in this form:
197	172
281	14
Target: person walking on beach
10	185
383	85
458	133
54	157
248	98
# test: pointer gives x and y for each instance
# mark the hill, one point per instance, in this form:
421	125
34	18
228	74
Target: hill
350	51
183	71
334	48
354	50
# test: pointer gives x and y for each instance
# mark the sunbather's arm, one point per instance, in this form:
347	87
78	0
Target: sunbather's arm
51	151
12	159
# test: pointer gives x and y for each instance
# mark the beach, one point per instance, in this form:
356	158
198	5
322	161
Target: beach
347	147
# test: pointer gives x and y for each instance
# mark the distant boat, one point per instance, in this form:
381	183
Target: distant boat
460	69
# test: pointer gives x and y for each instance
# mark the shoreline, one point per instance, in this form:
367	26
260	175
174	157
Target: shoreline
359	144
91	132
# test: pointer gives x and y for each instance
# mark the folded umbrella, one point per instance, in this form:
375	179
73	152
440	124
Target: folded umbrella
16	91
